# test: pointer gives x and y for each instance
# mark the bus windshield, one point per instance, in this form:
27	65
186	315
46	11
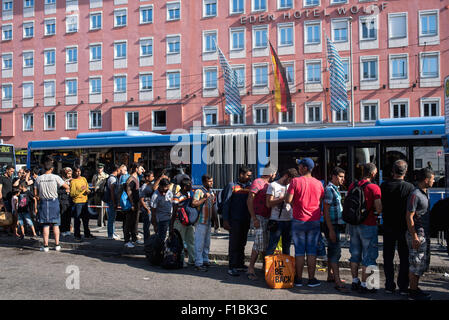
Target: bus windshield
7	157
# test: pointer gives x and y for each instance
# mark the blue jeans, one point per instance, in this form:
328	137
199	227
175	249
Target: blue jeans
202	243
363	244
146	219
285	230
334	248
162	228
111	219
25	216
81	214
305	237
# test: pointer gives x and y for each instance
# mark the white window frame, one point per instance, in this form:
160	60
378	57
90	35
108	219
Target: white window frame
95	14
4	86
292	121
369	59
170	39
24	121
368	19
46	124
25	56
170	6
205	3
242	116
67	87
7	56
133	127
47	22
282	26
306	72
153	122
67	50
279	7
311	5
336	2
116	88
232	10
95	78
233	31
286	64
91	47
143	41
259	107
118	13
363	104
45	57
10	4
11	29
337	21
430	100
205	82
168	72
91	122
207	33
31	85
309	105
146	74
334	115
311	23
255	83
253	5
210	110
120	43
69	23
257	29
26	23
428	13
51	94
143	8
394	102
422	55
240	66
67	120
390	27
394	57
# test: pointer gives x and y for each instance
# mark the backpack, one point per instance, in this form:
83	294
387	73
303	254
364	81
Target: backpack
22	201
154	250
354	207
173	251
106	191
187	214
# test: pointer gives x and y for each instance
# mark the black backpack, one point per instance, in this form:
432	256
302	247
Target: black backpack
154	250
354	206
173	251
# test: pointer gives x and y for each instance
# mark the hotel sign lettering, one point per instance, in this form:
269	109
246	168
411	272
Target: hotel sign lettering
314	13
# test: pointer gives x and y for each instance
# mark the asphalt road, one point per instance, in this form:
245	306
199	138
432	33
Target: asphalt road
31	274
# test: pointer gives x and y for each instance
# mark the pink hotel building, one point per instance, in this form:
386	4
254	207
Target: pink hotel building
71	66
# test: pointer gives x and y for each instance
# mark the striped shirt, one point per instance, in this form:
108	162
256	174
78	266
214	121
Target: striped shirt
207	207
332	197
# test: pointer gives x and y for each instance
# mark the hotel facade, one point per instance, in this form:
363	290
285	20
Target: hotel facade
110	65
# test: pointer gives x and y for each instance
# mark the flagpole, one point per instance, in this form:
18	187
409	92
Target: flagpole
328	81
352	72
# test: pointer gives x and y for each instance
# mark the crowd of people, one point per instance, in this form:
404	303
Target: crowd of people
290	206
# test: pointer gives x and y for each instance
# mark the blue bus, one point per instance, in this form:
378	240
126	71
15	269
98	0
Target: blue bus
419	141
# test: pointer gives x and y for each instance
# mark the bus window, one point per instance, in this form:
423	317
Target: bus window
431	157
337	157
362	156
392	154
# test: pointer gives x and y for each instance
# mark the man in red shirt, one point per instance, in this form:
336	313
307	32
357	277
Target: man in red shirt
305	195
260	214
363	237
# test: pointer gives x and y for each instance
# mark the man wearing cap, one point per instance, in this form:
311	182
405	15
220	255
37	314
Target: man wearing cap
260	214
305	195
98	182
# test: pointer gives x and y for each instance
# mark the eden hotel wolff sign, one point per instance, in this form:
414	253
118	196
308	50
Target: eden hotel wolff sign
315	13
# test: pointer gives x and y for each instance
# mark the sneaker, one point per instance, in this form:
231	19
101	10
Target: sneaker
211	264
66	234
242	269
44	249
129	245
139	242
201	268
233	272
390	290
298	282
403	292
312	283
116	237
90	236
366	290
355	286
419	295
58	248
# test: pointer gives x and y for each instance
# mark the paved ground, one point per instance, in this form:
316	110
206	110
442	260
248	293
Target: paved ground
31	274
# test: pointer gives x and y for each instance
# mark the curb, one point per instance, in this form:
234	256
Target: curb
119	250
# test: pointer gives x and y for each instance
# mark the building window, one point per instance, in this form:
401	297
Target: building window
398	65
49	89
313	32
120	50
132	120
210	78
173	45
290	73
119	84
240	72
260	114
173	80
237	6
146	15
28	3
50	121
261	75
288	116
49	57
428	24
160	120
7	92
313	72
238	39
28	90
146	82
28	122
95	21
369	28
340	31
146	47
430	108
313	112
369	69
309	3
50	27
346	68
72	24
397	26
120	17
7	62
28	59
173	11
341	115
71	121
71	87
95	52
369	112
210	115
260	37
28	29
238	119
429	65
259	5
7	5
50	1
399	109
95	119
95	85
72	55
286	35
209	8
338	1
7	32
210	41
285	4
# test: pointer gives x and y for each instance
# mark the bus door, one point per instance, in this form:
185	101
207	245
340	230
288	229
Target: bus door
337	156
361	154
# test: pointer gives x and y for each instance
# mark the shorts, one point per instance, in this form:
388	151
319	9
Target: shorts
363	244
418	258
334	248
25	216
305	236
261	234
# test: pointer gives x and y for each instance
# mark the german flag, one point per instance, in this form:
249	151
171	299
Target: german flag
282	96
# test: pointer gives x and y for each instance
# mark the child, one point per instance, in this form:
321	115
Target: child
25	202
14	200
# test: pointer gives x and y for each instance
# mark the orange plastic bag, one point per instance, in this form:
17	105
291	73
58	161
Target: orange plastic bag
280	271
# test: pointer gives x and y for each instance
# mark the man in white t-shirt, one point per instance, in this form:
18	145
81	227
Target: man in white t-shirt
280	223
